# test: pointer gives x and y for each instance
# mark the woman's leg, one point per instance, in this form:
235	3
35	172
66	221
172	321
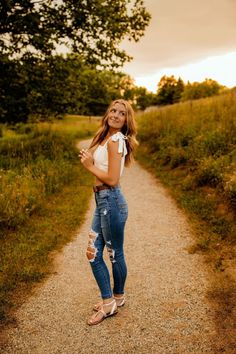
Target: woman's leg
95	256
113	223
95	248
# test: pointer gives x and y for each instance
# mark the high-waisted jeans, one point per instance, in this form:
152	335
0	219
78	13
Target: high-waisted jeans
108	230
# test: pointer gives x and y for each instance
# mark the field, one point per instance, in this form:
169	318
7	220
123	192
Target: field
44	192
191	147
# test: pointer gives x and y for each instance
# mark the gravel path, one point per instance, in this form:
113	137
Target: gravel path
166	309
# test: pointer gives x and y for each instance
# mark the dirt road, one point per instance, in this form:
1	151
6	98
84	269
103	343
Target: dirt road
166	309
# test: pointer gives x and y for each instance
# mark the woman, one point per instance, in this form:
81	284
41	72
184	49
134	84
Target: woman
109	151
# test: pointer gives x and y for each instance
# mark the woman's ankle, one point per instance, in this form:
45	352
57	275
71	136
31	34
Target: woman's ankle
118	296
120	299
108	301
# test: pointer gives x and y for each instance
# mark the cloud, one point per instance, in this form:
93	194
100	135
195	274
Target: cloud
210	67
181	32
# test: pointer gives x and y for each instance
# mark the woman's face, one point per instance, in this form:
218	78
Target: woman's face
117	116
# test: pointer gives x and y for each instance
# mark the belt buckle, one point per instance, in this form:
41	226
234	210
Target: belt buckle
95	189
100	187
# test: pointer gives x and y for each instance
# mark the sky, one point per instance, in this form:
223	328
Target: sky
187	38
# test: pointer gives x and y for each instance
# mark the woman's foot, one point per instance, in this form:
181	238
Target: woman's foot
105	310
120	301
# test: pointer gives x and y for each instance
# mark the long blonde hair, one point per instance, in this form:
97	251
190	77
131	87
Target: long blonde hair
129	129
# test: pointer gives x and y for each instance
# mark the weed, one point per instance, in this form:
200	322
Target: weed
208	173
191	147
219	264
178	157
230	189
44	193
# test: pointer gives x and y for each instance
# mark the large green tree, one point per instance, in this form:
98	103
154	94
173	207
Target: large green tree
33	31
169	90
143	98
91	28
56	86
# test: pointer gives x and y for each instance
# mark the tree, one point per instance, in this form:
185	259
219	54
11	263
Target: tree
196	90
179	89
13	91
92	28
169	90
56	86
31	34
143	98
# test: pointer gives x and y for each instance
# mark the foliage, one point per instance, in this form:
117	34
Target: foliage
143	98
37	81
26	249
44	193
13	91
230	188
93	29
192	145
31	170
35	165
56	86
169	90
196	90
209	173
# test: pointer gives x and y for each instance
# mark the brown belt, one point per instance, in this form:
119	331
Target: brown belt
101	187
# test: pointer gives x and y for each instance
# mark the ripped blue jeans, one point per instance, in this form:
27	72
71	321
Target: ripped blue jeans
108	230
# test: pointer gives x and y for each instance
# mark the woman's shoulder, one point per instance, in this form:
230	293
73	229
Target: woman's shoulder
118	136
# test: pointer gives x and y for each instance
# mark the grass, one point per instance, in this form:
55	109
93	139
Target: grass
191	148
26	251
44	194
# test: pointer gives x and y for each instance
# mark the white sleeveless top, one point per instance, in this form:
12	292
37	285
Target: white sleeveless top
100	155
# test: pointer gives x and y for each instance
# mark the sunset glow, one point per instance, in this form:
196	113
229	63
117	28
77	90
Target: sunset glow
221	68
193	40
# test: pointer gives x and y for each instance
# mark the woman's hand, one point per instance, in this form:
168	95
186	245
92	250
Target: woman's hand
86	158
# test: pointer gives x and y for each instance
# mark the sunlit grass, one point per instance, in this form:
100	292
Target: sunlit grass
191	146
44	193
74	126
25	250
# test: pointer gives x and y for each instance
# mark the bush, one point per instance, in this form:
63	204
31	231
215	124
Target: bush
20	195
18	153
187	183
208	173
178	157
21	128
54	174
216	143
185	139
230	189
32	169
200	137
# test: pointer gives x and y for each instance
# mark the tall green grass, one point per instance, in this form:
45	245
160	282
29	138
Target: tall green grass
191	146
44	193
35	162
31	169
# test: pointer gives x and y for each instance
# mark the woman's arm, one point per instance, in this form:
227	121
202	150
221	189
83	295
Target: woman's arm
114	164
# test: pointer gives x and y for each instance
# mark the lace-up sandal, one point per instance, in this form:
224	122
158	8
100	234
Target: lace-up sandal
120	301
95	319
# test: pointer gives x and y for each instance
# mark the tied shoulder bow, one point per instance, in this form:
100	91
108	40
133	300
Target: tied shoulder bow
122	145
